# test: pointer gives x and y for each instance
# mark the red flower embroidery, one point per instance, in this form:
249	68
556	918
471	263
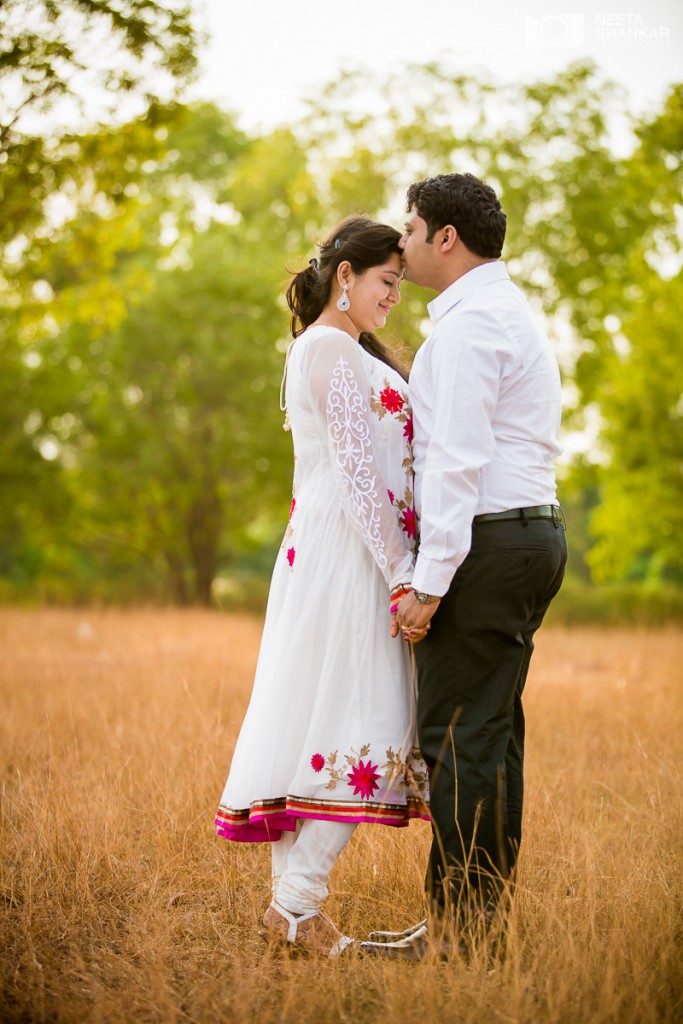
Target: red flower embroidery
292	507
408	429
391	399
363	779
391	496
290	556
317	762
408	522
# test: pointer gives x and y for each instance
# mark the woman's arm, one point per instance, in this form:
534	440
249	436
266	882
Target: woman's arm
340	390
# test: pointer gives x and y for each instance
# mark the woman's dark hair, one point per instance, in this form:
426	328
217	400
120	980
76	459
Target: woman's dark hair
364	243
464	201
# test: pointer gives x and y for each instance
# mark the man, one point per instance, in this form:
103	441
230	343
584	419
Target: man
485	391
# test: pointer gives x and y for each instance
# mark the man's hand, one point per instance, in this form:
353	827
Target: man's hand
415	617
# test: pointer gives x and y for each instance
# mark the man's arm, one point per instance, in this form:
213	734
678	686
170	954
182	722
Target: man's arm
468	359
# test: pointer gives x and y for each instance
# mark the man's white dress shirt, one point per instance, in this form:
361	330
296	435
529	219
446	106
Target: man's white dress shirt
485	392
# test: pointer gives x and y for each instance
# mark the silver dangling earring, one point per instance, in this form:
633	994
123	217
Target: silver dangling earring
344	302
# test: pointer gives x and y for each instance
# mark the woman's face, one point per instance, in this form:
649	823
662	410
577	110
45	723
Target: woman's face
373	293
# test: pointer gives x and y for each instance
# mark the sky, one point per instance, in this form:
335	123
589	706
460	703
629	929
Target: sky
264	57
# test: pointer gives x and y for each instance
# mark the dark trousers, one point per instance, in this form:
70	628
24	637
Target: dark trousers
472	667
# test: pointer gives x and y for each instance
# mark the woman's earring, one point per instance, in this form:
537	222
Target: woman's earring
344	302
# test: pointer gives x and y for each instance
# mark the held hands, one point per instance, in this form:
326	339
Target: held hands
409	616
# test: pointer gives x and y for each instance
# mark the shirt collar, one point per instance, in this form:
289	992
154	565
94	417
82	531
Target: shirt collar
484	274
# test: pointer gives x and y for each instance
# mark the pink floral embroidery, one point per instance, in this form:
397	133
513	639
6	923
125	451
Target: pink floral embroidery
391	399
408	522
362	775
291	554
293	506
363	779
317	762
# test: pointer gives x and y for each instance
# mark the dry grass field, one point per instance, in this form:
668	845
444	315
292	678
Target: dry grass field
118	904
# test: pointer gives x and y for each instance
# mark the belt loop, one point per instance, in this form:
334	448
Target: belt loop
522	516
558	517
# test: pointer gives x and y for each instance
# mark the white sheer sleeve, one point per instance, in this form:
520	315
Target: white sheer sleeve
340	392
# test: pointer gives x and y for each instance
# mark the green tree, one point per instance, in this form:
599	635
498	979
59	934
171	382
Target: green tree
639	521
46	58
41	256
144	328
166	284
592	237
47	49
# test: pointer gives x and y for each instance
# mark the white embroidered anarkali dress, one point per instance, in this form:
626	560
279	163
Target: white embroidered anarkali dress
329	731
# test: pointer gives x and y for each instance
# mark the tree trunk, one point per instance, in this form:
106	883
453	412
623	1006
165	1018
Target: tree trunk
178	581
203	529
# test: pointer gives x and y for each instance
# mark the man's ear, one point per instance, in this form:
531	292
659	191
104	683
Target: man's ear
449	237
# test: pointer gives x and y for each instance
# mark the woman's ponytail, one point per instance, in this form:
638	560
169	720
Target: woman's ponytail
306	296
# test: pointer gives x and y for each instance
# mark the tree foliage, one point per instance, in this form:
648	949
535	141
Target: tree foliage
48	46
142	269
595	238
164	305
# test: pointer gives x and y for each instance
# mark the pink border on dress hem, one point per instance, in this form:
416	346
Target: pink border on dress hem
263	828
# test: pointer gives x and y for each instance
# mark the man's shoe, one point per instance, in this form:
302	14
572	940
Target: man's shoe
412	946
397	936
415	946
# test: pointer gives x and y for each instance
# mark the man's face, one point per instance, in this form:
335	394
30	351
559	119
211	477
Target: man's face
419	255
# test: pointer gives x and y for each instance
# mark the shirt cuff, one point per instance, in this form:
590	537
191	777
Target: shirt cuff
432	577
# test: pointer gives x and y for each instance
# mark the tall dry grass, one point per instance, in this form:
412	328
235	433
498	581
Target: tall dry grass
117	903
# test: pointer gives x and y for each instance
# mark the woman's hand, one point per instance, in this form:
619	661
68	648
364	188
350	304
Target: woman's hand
397	592
415	634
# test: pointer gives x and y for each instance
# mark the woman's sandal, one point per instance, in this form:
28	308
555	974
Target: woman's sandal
305	933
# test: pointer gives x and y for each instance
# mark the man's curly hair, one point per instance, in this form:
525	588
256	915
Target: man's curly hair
464	201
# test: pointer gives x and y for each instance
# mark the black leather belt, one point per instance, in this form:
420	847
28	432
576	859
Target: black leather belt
553	512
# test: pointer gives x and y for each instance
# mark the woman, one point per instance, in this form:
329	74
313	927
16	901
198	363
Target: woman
327	740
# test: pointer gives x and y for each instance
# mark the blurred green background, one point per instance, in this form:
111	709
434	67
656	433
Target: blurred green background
142	325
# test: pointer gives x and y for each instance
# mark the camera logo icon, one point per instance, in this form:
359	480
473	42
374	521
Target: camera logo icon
560	30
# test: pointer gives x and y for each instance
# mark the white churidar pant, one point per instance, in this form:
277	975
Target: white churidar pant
302	861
